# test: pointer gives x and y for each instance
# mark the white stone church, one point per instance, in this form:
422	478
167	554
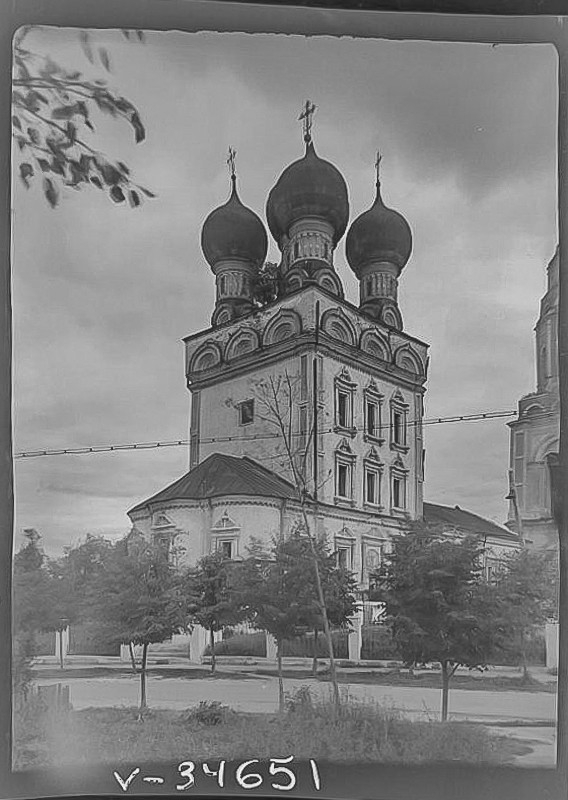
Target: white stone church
307	391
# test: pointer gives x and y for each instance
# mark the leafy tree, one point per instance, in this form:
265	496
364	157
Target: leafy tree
53	119
212	601
267	284
137	597
440	607
527	594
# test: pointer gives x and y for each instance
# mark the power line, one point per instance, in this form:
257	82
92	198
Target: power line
479	417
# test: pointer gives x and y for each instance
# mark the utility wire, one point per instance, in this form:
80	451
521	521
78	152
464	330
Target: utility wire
218	439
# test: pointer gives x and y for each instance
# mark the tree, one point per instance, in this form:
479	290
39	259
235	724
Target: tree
440	607
277	398
137	597
267	284
527	593
212	601
54	115
271	589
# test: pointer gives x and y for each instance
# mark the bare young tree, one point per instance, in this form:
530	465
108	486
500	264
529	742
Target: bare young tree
277	400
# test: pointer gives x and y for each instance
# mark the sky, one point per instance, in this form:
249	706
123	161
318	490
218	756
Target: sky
103	294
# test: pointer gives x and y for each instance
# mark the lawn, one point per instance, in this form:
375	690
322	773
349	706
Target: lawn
308	729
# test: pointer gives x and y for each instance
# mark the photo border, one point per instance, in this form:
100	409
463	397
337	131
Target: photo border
340	780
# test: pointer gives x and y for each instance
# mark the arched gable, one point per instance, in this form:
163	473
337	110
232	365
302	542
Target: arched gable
243	341
207	356
337	324
407	358
284	325
374	344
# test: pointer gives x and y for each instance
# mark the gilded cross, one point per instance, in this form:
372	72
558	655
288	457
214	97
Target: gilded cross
231	162
306	116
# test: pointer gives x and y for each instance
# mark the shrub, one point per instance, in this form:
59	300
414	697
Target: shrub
208	713
378	643
241	644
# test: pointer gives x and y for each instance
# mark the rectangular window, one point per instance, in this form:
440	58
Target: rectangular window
226	548
372	487
246	412
344	557
398	492
343	480
372	418
519	457
398	427
343	409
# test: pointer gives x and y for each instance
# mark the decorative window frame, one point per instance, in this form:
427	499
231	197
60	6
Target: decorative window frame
344	456
371	394
398	405
399	472
226	530
372	463
345	541
343	384
368	546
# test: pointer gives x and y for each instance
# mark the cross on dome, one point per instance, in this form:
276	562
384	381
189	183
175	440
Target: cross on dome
306	117
231	163
378	166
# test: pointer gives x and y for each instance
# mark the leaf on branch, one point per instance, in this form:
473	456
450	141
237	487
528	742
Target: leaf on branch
126	34
16	122
110	174
44	164
22	142
105	59
34	135
26	172
85	40
134	198
72	132
147	192
123	167
139	132
96	181
50	192
141	36
65	112
117	194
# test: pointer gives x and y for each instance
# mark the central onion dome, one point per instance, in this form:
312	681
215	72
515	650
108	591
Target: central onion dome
378	235
233	231
309	187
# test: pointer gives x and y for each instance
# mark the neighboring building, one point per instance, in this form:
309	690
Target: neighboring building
535	434
350	375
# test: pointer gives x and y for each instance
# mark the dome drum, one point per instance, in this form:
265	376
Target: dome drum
378	281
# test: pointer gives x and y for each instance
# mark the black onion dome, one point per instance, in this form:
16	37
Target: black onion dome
379	234
310	187
233	231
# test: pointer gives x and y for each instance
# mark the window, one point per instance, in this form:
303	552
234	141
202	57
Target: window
343	415
399	411
296	250
343	488
372	486
226	548
246	412
398	428
326	251
344	557
398	492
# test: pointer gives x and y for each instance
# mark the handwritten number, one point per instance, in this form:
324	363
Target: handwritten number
220	774
315	774
185	770
126	783
276	770
250	781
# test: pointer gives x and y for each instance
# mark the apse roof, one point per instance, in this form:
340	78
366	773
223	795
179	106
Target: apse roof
220	475
465	521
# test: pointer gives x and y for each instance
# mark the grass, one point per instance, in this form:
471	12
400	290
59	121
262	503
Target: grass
308	729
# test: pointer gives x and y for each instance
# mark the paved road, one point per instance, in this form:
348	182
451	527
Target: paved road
259	694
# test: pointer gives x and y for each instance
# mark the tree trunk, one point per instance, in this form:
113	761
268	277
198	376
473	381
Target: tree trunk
445	690
315	656
143	702
212	646
132	657
524	664
280	677
321	600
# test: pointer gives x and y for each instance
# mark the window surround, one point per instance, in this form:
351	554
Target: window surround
372	465
372	396
344	542
399	472
398	407
224	531
345	458
371	547
344	386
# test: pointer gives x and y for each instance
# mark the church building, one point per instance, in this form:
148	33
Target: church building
306	401
535	434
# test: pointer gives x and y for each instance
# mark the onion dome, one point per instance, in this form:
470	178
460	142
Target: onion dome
379	234
233	231
310	187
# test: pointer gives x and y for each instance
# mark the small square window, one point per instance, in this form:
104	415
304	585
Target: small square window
246	412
